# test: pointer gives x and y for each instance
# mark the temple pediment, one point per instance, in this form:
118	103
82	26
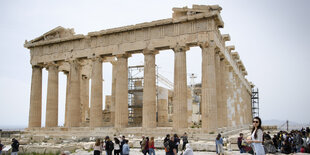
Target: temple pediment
56	33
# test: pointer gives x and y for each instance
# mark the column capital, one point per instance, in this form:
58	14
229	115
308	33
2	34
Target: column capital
75	61
37	66
150	51
207	44
113	62
97	58
51	64
180	48
226	37
127	55
203	44
230	48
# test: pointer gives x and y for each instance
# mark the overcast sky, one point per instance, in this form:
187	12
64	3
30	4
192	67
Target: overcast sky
270	36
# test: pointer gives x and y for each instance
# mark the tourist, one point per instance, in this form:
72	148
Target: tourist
275	141
122	143
257	137
177	141
125	149
117	146
97	147
172	147
109	146
239	142
188	150
302	149
143	145
219	144
151	147
15	147
184	139
166	143
286	148
1	147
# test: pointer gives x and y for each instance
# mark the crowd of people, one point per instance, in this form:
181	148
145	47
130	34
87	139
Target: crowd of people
171	144
120	147
285	142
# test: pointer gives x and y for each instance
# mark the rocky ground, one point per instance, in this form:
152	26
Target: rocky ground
80	146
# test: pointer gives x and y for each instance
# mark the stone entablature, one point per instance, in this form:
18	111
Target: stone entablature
189	27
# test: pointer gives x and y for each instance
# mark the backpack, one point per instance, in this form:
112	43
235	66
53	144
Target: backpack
166	145
112	145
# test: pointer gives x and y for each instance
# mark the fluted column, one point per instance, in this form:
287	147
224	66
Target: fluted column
96	93
67	98
112	108
208	89
224	79
35	98
121	92
149	90
219	91
52	97
74	107
231	93
84	97
180	88
237	101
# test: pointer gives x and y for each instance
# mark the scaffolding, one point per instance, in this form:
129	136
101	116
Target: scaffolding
135	94
255	102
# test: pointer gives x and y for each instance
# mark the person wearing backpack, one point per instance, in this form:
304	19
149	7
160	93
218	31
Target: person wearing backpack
15	147
166	143
1	147
109	145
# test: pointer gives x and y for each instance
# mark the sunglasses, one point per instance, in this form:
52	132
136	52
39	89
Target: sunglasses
255	122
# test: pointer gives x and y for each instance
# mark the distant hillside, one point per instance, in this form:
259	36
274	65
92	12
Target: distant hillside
282	124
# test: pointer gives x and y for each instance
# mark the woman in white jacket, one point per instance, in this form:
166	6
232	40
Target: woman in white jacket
188	150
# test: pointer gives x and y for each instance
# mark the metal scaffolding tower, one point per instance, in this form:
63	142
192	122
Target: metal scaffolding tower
135	94
255	102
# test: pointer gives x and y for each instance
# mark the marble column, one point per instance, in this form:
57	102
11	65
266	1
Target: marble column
231	97
96	119
74	108
112	108
52	97
35	98
67	98
208	89
249	102
84	97
121	92
224	75
237	101
219	91
180	88
149	90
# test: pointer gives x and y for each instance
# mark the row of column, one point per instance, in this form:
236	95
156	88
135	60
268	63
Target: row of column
214	89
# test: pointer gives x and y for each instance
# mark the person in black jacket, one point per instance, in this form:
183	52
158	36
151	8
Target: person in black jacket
177	141
15	146
122	143
109	145
172	146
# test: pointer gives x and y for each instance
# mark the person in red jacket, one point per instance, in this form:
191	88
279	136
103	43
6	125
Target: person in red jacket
151	146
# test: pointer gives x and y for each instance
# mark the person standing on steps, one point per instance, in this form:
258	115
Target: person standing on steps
256	138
